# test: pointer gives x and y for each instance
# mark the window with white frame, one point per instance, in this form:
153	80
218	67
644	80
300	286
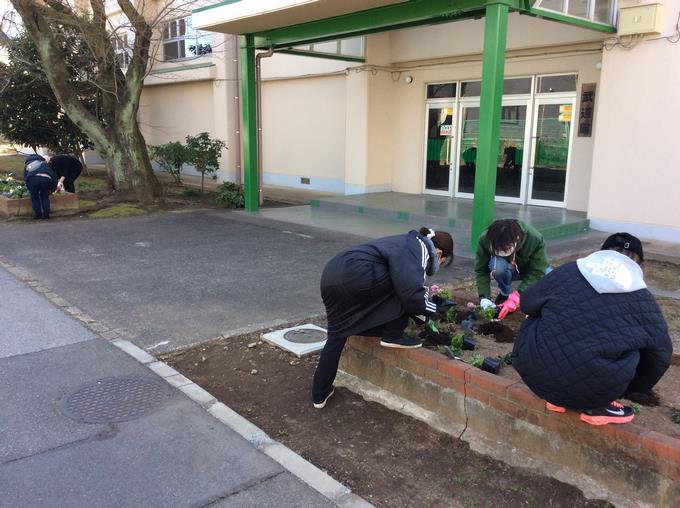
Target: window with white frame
181	41
599	11
353	47
121	49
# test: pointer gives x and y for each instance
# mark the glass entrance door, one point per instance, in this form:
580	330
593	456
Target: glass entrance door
550	159
510	159
440	148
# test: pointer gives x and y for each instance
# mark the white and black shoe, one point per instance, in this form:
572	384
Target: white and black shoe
322	403
403	342
613	413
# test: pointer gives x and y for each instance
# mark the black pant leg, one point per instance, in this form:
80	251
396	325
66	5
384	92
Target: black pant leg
69	185
34	191
394	328
45	187
327	367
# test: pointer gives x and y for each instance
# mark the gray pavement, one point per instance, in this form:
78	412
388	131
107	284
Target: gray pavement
173	455
173	279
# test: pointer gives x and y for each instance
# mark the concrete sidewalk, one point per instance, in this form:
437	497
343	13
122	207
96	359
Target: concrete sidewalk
149	445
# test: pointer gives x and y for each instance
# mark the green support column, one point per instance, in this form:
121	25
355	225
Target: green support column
495	35
249	131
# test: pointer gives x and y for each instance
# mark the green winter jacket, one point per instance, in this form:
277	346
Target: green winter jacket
530	259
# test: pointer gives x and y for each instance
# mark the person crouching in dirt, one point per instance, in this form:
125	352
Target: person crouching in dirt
593	333
372	289
508	250
41	182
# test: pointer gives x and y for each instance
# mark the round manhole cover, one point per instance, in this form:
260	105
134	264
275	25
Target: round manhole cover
305	335
114	400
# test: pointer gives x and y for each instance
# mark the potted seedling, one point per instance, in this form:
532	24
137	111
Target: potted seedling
476	360
492	365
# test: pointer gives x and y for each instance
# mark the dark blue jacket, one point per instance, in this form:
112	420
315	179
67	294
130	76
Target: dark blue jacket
43	168
375	283
585	342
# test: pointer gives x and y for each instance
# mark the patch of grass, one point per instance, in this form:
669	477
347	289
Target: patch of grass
514	488
119	210
91	183
12	164
84	203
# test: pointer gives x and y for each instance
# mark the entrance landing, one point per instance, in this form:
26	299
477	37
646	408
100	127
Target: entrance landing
447	213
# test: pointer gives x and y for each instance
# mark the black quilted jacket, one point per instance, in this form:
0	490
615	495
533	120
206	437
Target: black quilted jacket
582	349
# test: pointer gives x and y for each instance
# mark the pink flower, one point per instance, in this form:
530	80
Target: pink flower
471	306
434	289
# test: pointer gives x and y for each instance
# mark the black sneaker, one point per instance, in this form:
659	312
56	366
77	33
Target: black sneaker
500	298
613	413
322	404
403	341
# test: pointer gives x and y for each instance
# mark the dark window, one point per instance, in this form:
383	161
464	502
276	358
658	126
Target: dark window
551	84
471	89
441	90
513	86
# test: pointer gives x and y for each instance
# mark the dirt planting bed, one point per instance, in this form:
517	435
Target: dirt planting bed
496	338
388	458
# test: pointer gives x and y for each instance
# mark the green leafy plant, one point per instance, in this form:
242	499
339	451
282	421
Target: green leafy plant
488	313
676	416
432	325
230	195
476	360
457	343
450	315
411	328
12	188
203	152
635	407
171	157
506	359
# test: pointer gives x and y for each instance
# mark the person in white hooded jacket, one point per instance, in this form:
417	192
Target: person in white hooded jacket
593	333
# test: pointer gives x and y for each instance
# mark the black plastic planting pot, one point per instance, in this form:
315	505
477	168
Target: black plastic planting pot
469	344
492	365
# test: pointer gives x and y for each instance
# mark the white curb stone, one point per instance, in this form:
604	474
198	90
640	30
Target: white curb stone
178	381
163	369
246	429
137	353
198	394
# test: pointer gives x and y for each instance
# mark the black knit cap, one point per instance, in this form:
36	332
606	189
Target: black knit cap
624	241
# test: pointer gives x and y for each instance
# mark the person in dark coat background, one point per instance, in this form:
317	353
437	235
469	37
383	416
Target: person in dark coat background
68	169
41	181
372	289
593	333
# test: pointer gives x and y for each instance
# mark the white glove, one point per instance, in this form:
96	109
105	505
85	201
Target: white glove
60	187
485	303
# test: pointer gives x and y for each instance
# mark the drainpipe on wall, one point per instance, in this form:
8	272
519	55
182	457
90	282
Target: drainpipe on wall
236	69
258	103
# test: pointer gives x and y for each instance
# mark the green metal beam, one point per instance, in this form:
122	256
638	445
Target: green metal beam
249	133
381	19
493	64
570	20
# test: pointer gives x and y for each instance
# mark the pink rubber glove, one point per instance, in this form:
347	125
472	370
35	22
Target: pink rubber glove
510	305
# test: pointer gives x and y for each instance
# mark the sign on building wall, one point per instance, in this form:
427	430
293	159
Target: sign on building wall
565	113
585	114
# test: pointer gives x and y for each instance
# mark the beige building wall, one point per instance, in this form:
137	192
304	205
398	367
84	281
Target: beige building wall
303	133
636	161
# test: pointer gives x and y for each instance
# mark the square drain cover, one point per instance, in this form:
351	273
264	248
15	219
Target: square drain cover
300	340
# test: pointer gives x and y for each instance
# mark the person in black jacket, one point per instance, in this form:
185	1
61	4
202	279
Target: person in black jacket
593	333
41	182
372	289
67	168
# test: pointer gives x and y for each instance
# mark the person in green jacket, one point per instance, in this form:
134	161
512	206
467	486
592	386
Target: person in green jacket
508	250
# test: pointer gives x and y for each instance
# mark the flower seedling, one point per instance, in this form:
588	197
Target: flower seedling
476	360
432	325
488	313
457	343
635	407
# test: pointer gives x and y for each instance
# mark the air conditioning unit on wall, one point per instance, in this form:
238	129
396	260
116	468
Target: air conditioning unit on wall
640	19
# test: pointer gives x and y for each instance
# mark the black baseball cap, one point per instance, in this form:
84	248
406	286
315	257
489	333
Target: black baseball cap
624	241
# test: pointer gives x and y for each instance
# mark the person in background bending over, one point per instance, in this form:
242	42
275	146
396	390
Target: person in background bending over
508	250
41	182
372	289
68	169
593	333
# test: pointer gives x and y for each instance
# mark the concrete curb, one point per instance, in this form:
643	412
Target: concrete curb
287	458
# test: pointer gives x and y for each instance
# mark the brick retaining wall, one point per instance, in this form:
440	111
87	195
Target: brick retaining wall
636	463
59	203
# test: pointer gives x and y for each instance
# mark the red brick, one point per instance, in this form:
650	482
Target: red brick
521	394
473	392
628	437
488	382
365	344
387	355
454	368
663	446
441	379
424	356
670	470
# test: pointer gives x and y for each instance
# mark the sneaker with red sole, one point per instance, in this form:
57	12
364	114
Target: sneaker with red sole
613	413
553	407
